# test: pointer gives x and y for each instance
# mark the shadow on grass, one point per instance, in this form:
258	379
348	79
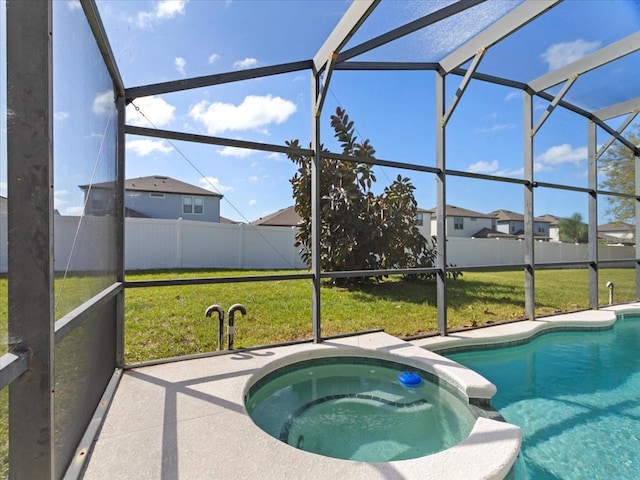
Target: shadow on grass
460	292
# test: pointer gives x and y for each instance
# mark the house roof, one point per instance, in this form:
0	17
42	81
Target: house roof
509	216
285	217
229	221
491	233
131	213
616	227
157	184
453	211
552	219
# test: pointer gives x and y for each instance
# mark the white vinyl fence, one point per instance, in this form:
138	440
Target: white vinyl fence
167	244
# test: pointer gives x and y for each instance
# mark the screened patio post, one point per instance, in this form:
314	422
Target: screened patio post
529	269
441	201
316	266
592	235
30	236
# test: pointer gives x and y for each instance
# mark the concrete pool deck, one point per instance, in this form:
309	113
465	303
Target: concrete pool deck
518	332
187	420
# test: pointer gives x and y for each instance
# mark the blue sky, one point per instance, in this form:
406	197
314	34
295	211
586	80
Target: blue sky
156	41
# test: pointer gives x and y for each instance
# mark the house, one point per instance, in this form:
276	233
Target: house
462	222
285	217
155	197
512	223
554	226
617	232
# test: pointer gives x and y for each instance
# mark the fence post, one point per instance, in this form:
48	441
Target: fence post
241	247
179	242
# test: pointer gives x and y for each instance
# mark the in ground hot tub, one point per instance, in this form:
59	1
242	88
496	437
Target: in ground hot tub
359	408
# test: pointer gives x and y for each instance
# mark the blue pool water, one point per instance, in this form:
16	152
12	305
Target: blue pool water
576	397
371	412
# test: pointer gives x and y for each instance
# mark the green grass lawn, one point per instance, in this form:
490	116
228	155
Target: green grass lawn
169	321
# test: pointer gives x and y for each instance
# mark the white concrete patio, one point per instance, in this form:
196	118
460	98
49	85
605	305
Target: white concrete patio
187	420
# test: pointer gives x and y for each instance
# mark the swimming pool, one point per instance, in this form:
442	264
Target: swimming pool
576	397
359	408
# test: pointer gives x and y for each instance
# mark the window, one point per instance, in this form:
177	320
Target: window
458	223
97	200
187	204
193	205
198	205
419	219
156	195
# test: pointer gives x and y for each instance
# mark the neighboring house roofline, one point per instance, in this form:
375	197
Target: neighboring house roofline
509	216
285	217
617	227
453	211
156	184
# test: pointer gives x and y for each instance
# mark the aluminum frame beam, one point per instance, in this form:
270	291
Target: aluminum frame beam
441	202
590	62
30	235
529	239
322	94
463	85
612	138
348	25
619	109
408	28
637	192
216	79
225	142
95	22
592	234
501	28
316	212
554	103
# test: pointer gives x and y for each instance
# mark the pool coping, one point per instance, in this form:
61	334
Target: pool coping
191	419
516	333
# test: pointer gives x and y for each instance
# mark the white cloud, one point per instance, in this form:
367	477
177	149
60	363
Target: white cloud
513	95
254	112
74	5
3	189
213	57
483	167
561	54
213	184
495	128
154	108
235	152
253	178
61	115
163	10
278	157
246	63
252	202
559	154
180	63
143	147
103	103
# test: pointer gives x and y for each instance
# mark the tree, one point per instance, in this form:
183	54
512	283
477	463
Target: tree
573	229
618	167
359	230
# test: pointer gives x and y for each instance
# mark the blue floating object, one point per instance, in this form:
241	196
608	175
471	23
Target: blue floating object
410	379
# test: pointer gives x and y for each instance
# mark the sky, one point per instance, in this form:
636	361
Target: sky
157	41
